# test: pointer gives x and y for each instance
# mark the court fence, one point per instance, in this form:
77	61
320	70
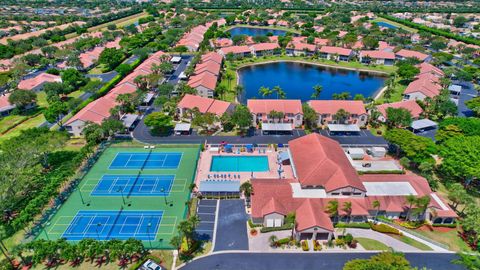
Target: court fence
69	187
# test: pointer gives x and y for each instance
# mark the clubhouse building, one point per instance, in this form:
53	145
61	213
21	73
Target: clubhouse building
322	173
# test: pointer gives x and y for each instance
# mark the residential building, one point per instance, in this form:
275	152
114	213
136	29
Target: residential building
236	51
300	48
377	57
6	107
410	105
204	105
205	84
291	109
327	109
336	53
36	83
404	54
262	49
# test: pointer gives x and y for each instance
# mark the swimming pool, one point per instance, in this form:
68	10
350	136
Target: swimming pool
239	164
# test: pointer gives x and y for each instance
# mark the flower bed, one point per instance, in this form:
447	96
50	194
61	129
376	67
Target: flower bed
305	246
384	228
316	245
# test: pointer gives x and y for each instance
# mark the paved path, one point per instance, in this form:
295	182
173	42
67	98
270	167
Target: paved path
231	230
320	261
397	245
104	77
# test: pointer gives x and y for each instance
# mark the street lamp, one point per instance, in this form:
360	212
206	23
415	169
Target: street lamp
121	192
148	234
164	195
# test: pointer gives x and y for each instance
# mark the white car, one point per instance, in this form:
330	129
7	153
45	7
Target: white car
151	265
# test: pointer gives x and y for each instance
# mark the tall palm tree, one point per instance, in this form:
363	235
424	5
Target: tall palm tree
317	90
265	91
347	208
332	209
229	77
246	188
221	90
280	93
376	205
239	89
411	200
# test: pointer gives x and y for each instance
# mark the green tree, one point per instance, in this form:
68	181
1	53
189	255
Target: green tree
341	116
332	210
265	91
159	122
55	112
398	117
22	98
242	117
317	91
347	208
459	21
416	148
247	189
341	96
407	71
381	261
458	195
376	206
310	117
73	78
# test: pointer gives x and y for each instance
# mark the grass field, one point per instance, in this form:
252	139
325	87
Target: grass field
173	205
371	244
30	123
411	242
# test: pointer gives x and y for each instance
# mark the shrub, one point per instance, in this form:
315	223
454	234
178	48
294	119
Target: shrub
411	224
384	228
330	243
316	245
353	244
339	242
305	245
253	225
348	238
453	225
283	241
276	229
357	225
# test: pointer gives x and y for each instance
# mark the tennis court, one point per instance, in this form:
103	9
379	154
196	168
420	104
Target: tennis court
151	185
146	161
134	185
104	225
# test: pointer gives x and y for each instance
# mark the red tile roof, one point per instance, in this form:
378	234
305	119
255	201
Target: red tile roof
222	42
4	103
332	106
309	214
293	106
429	68
29	84
212	56
235	50
205	79
204	105
424	86
378	54
320	161
208	66
412	54
96	111
299	46
335	50
383	46
264	46
411	105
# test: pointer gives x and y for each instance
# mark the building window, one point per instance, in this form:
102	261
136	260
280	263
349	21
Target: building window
335	193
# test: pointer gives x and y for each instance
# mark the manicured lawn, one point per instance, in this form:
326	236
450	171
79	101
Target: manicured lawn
371	244
30	123
397	94
382	128
75	94
411	242
42	99
449	238
120	22
10	120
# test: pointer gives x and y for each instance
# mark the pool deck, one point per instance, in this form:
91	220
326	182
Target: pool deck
203	170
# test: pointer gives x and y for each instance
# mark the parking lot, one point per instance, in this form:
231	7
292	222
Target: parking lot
232	226
206	211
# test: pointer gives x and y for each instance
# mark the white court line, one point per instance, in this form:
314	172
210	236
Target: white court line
126	163
111	162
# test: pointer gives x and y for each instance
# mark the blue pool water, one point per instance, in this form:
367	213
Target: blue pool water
239	164
385	24
297	80
249	31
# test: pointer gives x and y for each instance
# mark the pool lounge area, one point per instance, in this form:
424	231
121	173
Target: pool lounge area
219	164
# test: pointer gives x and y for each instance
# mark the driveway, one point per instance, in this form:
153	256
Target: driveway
206	211
231	226
381	237
173	79
321	261
104	77
468	92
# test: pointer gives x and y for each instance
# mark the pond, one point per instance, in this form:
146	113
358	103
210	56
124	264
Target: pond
385	24
250	31
298	79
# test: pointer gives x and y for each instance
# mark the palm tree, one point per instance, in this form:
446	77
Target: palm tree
411	200
220	90
280	93
317	90
273	240
341	116
347	208
265	91
332	209
229	77
239	89
376	205
246	188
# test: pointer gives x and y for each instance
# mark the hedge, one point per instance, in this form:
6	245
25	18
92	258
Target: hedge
357	225
384	228
434	31
453	225
253	225
276	229
283	241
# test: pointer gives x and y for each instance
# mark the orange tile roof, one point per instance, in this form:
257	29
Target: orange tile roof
204	105
412	54
332	106
320	161
293	106
336	50
205	79
378	54
410	105
235	50
264	46
29	84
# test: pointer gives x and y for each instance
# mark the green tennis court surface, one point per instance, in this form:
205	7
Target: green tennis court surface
129	192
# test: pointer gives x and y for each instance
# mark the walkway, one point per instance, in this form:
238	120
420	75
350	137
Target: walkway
397	245
321	260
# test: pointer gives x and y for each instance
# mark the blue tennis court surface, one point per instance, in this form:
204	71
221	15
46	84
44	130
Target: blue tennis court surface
104	225
146	161
134	185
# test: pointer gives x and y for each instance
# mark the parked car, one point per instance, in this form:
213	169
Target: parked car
150	265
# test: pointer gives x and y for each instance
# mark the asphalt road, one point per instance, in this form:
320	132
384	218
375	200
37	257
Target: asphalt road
318	261
232	226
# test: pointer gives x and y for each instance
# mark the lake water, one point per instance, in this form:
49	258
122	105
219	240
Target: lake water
298	79
250	31
385	24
